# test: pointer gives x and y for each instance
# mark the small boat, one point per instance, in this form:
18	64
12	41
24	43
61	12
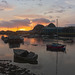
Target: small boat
13	39
19	60
25	55
56	47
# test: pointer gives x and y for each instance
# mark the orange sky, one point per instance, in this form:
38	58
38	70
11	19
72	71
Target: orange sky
22	28
16	29
20	13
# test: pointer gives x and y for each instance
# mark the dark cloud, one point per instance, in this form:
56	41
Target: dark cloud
15	23
4	5
57	8
41	20
47	12
51	17
4	1
40	4
60	11
70	24
56	11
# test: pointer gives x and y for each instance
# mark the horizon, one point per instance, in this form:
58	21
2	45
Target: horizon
22	29
24	15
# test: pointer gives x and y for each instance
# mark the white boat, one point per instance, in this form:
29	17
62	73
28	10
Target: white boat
25	55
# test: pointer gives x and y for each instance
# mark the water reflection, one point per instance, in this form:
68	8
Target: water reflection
15	45
56	50
47	63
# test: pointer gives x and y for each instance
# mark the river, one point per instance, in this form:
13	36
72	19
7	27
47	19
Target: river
48	63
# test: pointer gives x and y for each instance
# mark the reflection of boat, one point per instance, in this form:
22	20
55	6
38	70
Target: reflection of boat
25	55
69	41
34	44
17	45
5	39
56	46
2	37
19	60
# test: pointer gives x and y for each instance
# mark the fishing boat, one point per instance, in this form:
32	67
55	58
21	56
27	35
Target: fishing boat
56	46
25	55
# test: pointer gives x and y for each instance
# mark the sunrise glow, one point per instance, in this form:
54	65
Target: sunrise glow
27	17
22	29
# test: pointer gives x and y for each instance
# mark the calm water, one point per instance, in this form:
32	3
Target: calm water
47	60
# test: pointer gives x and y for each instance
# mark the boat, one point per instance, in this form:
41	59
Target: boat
25	55
14	45
13	39
56	46
20	60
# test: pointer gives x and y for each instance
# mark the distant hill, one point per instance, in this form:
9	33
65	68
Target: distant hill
38	27
51	25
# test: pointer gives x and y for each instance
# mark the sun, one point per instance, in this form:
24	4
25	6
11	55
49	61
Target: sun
22	29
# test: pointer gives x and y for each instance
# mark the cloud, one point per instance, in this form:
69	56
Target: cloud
60	11
4	5
70	25
57	8
52	21
30	16
1	19
70	2
15	23
55	11
29	0
40	4
40	21
51	17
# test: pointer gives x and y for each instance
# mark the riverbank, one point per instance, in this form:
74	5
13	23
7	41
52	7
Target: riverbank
67	34
10	69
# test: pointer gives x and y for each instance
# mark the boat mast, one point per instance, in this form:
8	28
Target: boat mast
57	29
57	51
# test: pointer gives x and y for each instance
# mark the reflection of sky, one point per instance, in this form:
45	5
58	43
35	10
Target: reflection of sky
24	10
46	59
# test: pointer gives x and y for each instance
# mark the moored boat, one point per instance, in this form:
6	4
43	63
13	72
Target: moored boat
25	55
13	39
56	47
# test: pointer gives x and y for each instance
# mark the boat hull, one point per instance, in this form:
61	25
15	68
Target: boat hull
24	55
56	48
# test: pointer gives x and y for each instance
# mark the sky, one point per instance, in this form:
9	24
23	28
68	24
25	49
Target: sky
25	14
